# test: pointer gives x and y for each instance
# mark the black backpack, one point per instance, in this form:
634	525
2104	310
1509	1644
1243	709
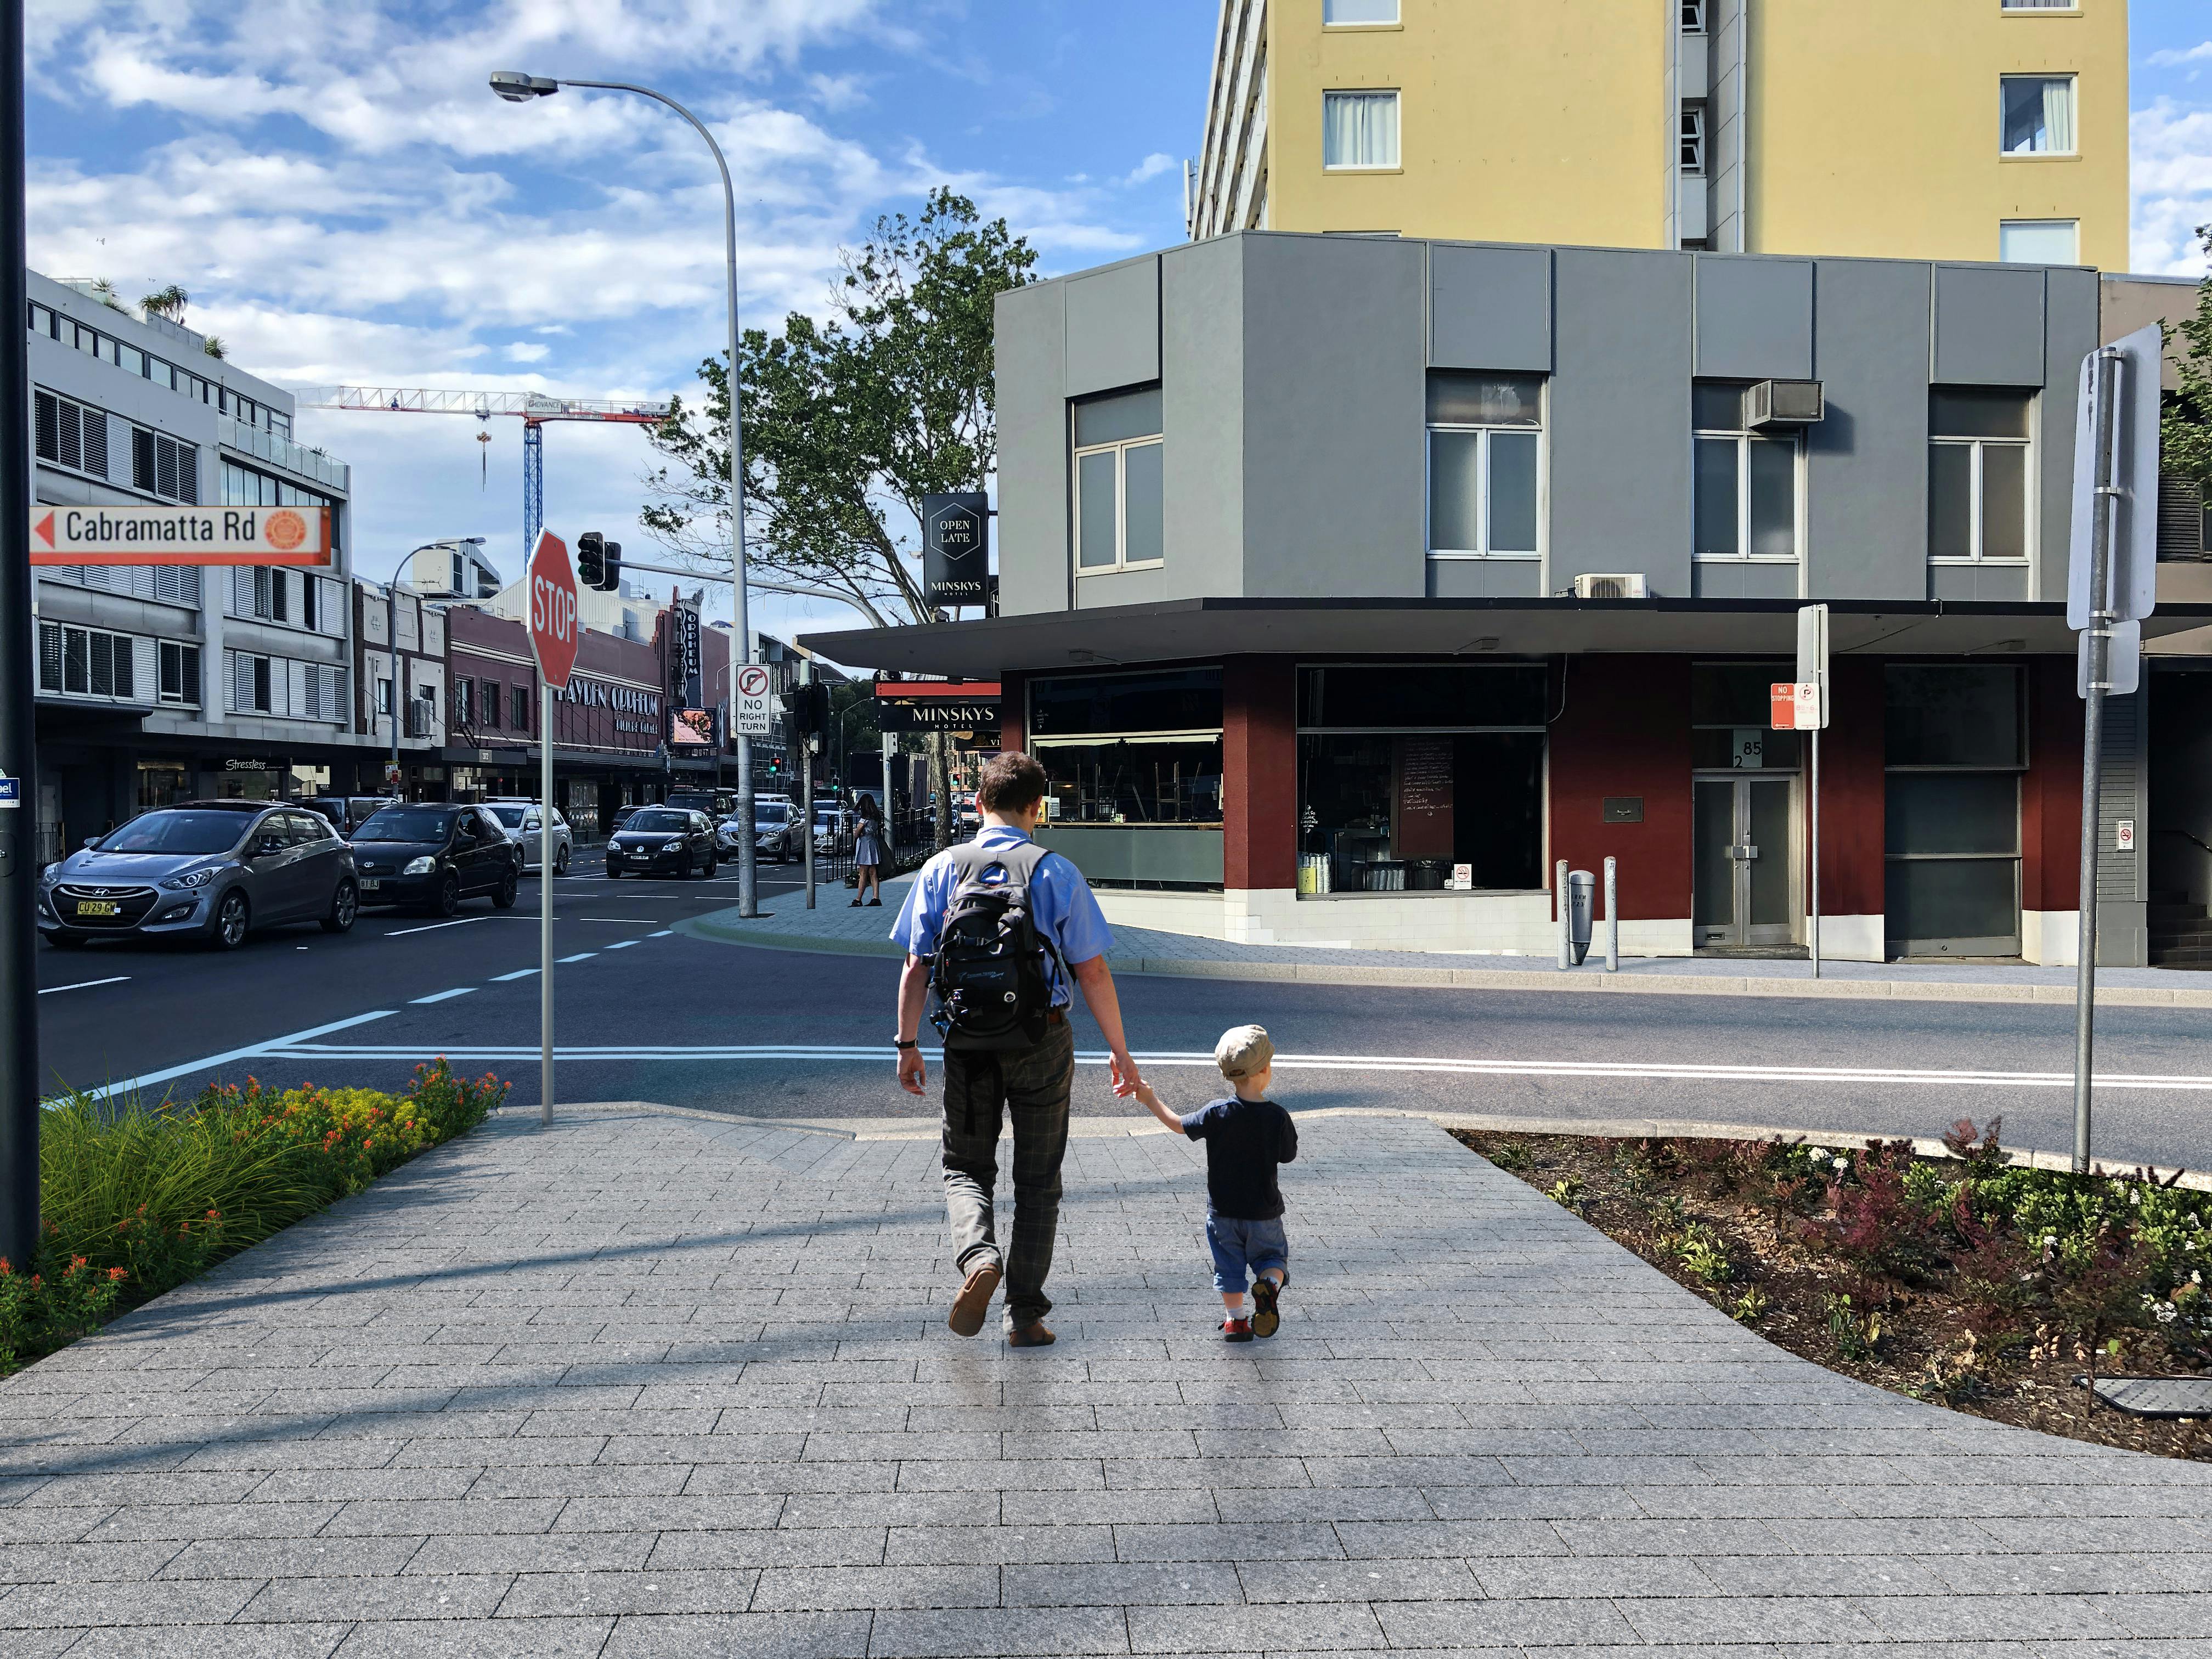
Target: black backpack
993	990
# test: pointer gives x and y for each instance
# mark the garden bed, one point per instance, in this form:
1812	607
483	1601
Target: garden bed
1967	1280
134	1200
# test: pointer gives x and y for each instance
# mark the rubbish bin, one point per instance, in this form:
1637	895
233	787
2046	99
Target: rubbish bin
1582	907
1426	875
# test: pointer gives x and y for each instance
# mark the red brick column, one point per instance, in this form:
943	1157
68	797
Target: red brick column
1260	773
1624	731
1013	711
2050	794
1854	880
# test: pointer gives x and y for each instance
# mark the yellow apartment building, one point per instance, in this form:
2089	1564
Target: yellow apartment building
1915	129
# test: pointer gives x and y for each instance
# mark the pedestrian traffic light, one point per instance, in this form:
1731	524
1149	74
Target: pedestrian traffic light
611	566
806	709
591	559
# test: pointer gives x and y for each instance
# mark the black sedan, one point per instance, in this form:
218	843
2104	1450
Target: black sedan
666	840
434	856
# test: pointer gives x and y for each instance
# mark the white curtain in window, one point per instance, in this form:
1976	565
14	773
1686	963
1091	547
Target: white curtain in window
2058	115
1360	129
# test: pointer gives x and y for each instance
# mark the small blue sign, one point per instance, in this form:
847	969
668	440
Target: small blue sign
11	792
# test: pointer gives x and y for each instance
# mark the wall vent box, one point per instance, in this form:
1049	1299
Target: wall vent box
1783	403
1624	809
1621	584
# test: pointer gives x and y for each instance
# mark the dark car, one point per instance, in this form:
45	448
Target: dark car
435	855
665	841
347	813
209	870
622	815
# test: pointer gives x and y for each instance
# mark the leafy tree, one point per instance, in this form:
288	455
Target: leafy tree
169	302
850	420
2185	429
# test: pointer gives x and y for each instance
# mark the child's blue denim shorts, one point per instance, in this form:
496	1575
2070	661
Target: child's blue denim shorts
1238	1245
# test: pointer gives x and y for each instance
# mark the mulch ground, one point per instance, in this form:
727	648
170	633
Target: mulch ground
1786	1287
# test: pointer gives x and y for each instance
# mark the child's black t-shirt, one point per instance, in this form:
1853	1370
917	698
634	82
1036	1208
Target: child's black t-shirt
1245	1140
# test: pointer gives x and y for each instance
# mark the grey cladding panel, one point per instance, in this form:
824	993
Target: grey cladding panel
1988	326
2071	310
1033	556
1202	333
1754	318
1866	496
1112	327
1490	307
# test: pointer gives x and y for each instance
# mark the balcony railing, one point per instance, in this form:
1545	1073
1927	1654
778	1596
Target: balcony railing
282	452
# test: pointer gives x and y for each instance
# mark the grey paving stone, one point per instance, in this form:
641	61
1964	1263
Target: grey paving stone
1122	1584
540	1594
792	1589
741	1636
37	1606
770	1547
1012	1633
1253	1629
284	1557
302	1641
391	1595
517	1638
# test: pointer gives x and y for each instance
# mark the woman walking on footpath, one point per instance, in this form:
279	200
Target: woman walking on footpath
868	854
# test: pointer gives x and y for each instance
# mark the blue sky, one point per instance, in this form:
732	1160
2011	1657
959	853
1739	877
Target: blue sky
347	203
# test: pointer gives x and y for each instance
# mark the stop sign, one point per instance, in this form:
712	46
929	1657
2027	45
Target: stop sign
552	609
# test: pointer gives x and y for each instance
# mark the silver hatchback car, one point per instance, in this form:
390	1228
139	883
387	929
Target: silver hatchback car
523	826
208	870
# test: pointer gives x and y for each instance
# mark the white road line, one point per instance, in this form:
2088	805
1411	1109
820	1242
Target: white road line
519	973
85	985
275	1046
580	955
441	996
432	928
1651	1071
642	921
622	945
670	933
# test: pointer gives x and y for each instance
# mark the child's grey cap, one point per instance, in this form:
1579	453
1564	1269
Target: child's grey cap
1242	1050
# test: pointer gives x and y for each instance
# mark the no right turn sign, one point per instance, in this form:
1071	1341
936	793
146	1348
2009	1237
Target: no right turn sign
756	704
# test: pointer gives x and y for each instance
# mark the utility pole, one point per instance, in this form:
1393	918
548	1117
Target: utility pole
807	771
19	761
2097	677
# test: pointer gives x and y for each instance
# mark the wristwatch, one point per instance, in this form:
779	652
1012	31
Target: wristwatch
902	1042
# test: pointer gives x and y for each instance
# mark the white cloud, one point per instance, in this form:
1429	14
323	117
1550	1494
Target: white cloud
2172	57
522	353
2171	147
1150	167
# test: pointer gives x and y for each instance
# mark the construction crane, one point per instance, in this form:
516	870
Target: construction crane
535	409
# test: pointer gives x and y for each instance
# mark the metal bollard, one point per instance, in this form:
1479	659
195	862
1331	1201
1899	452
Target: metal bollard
1612	922
1565	906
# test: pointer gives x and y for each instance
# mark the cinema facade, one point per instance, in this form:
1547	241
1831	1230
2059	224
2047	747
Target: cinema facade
1348	583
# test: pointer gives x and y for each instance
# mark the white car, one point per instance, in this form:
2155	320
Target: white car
520	820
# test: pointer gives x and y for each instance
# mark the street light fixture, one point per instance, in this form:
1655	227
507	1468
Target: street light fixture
516	87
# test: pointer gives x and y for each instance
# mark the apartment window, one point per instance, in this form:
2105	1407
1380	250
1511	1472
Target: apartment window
2040	241
42	319
1358	130
491	694
1693	16
1955	743
160	465
2038	114
71	433
519	710
1120	504
86	662
1979	476
1693	139
1340	13
1485	437
2039	5
1747	482
244	487
180	673
464	703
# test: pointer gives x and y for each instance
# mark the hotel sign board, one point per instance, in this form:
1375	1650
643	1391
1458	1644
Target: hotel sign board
180	535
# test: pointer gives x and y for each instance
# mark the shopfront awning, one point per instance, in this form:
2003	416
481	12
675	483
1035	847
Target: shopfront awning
1201	629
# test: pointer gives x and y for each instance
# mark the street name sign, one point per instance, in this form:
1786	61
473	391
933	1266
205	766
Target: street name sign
553	609
756	701
180	535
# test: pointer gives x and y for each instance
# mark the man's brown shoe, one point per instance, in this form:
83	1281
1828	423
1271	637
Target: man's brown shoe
974	1302
1033	1336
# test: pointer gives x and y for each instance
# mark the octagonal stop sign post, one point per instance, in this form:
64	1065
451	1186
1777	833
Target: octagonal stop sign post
552	613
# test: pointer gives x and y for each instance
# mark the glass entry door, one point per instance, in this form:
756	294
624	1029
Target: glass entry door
1742	891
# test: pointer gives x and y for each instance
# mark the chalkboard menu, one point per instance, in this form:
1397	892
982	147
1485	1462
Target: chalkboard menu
1425	798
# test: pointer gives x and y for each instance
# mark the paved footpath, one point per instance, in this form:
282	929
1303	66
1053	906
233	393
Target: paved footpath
652	1384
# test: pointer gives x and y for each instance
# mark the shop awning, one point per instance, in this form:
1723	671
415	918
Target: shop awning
1201	629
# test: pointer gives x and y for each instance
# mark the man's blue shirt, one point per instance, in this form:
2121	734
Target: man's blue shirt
1060	903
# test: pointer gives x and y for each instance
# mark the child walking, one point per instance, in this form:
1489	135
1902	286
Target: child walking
1246	1136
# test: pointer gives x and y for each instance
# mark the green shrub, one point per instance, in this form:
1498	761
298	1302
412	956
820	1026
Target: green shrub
133	1202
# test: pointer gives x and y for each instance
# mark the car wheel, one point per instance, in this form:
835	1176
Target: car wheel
232	920
684	870
449	895
67	941
712	864
345	905
502	897
614	872
560	861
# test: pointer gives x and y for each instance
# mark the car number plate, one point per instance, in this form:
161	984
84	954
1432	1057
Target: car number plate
370	884
98	908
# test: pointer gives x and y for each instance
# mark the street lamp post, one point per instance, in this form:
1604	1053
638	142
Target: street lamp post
391	640
519	88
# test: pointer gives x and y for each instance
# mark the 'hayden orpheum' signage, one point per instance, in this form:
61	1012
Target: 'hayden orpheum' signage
180	535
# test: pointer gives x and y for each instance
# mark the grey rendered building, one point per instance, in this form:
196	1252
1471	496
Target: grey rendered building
157	684
1348	583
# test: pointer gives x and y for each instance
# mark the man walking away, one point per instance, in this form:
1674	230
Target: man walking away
999	927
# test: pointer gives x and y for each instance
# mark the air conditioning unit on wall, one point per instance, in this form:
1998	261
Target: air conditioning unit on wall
1623	585
1783	403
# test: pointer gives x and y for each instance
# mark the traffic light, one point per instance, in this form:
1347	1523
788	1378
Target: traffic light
591	559
611	566
806	709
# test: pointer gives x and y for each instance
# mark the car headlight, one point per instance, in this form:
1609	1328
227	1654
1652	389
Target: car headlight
188	881
51	874
421	866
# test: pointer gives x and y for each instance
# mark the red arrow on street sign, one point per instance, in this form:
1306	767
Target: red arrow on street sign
553	609
44	530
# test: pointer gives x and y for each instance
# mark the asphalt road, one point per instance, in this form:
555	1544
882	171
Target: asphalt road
645	1012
